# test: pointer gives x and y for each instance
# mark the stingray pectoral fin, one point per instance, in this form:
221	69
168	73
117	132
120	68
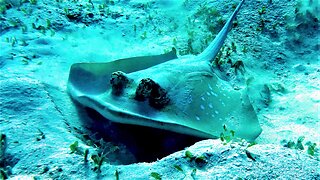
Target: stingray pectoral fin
93	78
207	103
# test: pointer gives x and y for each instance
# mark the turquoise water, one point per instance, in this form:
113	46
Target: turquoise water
180	82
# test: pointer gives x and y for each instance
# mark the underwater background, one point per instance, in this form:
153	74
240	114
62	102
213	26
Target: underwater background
47	135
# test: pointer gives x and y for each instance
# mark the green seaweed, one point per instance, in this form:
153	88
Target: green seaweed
33	1
262	10
3	146
227	135
200	161
177	167
116	174
156	175
98	161
2	9
143	36
311	148
189	155
74	147
299	144
193	173
3	174
40	136
85	155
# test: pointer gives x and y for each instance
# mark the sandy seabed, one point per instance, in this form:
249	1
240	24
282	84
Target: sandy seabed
278	41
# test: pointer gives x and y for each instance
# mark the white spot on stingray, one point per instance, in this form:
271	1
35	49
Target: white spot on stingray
202	107
223	104
210	106
198	118
220	119
216	95
224	94
208	94
202	98
216	112
212	115
209	87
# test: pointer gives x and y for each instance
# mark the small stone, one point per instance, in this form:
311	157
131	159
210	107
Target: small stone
300	68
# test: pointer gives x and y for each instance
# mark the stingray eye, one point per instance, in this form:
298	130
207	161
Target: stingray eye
118	81
148	89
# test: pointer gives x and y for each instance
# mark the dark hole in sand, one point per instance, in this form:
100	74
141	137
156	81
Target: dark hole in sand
137	143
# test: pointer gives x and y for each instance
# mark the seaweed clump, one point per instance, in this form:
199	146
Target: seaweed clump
4	172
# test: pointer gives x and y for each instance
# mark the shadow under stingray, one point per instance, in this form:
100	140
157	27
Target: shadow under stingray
136	143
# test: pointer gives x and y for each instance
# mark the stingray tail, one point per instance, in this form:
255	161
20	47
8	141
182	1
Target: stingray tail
214	47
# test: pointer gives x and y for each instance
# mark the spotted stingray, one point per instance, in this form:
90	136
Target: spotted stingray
182	95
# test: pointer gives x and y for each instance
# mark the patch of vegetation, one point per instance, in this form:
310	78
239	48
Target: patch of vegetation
227	135
212	22
193	173
12	40
189	155
3	8
40	135
98	161
44	28
116	174
156	175
179	168
262	10
199	161
238	66
262	21
143	36
3	174
85	155
33	1
97	157
7	4
312	149
223	60
210	16
3	147
74	147
4	171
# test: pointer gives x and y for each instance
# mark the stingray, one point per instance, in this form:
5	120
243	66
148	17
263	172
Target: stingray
182	95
